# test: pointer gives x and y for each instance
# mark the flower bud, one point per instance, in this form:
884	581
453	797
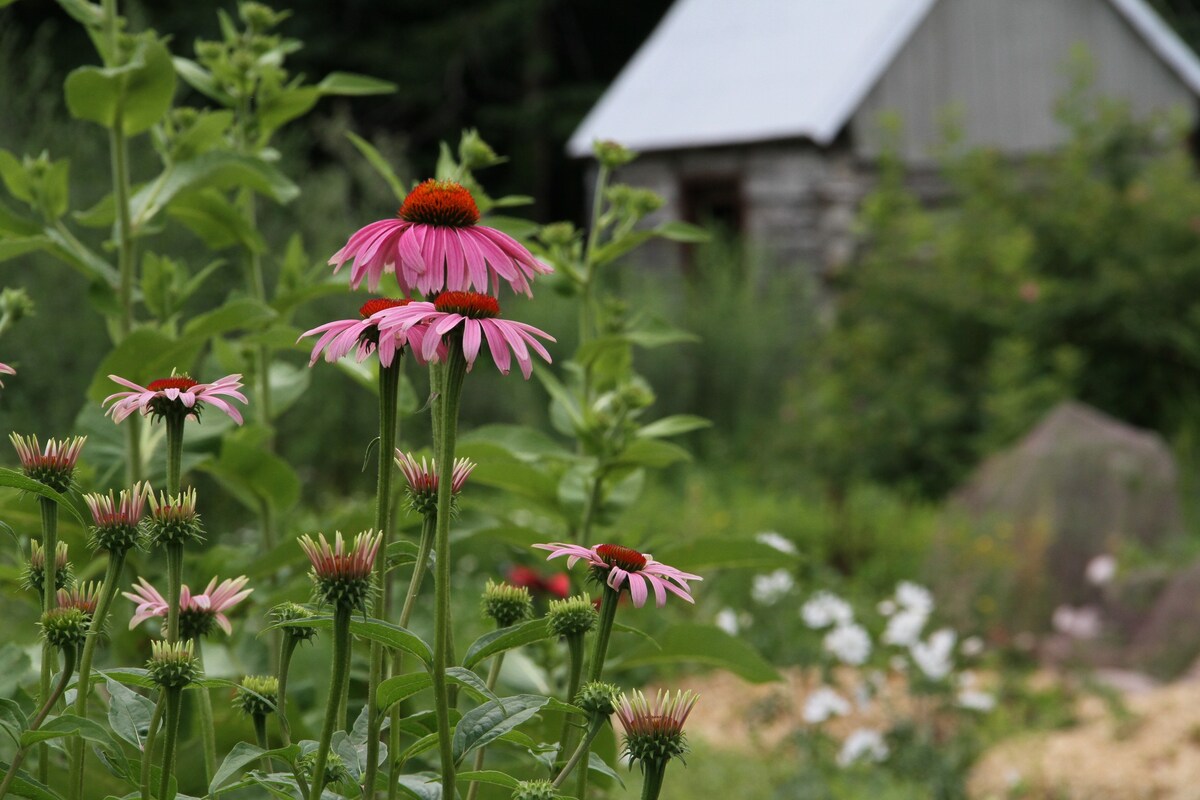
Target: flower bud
557	234
335	767
612	154
173	520
506	605
117	527
535	790
475	153
286	612
654	729
342	576
257	695
33	577
65	627
574	616
598	699
173	666
52	465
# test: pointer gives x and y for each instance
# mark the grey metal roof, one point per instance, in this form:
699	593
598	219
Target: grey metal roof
718	72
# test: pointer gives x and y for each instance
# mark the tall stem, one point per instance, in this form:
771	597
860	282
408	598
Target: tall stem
174	703
49	511
148	748
340	672
492	678
260	737
652	782
208	734
389	383
63	678
454	373
575	677
112	578
287	646
175	423
580	753
608	614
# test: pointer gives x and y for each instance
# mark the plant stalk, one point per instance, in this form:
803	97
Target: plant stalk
652	782
49	511
174	703
148	749
581	751
260	736
63	679
340	673
208	734
575	677
608	614
493	676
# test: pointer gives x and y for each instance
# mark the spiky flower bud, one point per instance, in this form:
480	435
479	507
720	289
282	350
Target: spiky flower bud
65	626
257	695
117	527
557	234
598	699
173	666
574	616
173	520
85	597
33	577
654	729
335	767
341	576
612	154
286	612
422	478
535	790
53	465
505	604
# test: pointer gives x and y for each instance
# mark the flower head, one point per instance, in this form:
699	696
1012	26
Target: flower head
173	519
33	577
173	666
1101	569
422	480
617	566
824	609
478	315
197	612
863	744
5	369
824	703
574	616
52	465
597	698
506	605
257	695
342	576
84	597
335	767
849	644
65	626
534	790
117	524
362	336
935	655
287	612
435	243
176	395
654	729
769	589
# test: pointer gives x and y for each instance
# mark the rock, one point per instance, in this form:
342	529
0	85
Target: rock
1168	639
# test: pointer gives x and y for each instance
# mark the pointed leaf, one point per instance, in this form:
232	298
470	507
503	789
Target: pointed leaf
15	480
354	85
503	639
244	754
673	426
374	630
128	713
378	163
486	723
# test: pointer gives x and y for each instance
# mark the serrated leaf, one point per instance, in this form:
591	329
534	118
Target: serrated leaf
504	639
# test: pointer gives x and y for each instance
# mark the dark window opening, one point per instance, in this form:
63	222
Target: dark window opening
715	202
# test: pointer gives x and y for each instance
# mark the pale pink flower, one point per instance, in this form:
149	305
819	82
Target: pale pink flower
478	315
59	455
85	597
108	511
434	243
618	565
362	336
335	562
422	476
5	369
168	395
203	608
656	721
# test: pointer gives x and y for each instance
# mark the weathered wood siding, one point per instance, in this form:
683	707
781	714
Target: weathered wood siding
1000	66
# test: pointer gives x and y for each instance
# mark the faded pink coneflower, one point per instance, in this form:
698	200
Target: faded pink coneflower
177	394
478	316
422	476
340	337
435	243
52	465
342	575
617	566
654	728
197	612
83	596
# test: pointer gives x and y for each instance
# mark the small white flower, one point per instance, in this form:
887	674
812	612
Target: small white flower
934	657
849	644
904	628
898	663
769	589
777	541
824	609
976	700
862	744
1101	570
971	647
914	597
824	703
1078	623
727	620
886	607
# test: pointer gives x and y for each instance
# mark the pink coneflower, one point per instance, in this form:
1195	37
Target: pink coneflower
478	315
85	597
118	523
434	243
342	576
175	395
197	612
654	729
5	369
52	465
616	565
362	336
422	476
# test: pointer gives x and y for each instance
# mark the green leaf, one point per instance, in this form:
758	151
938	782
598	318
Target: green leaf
401	687
354	85
79	256
89	14
201	80
16	178
253	473
421	786
16	480
70	725
504	639
497	468
484	724
24	785
722	552
142	88
678	231
652	453
285	106
243	754
561	397
598	764
491	776
128	712
14	666
215	220
240	314
673	426
374	630
379	163
704	644
12	248
522	441
613	250
14	224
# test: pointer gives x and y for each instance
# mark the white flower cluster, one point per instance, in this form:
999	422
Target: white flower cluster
847	641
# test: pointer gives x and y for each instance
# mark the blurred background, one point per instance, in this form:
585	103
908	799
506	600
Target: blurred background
947	331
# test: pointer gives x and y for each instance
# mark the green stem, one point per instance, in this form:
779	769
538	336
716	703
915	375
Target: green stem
260	736
340	672
112	577
575	677
608	614
454	374
652	781
389	385
174	703
287	646
208	734
148	749
580	752
63	678
174	588
49	511
493	676
175	423
584	534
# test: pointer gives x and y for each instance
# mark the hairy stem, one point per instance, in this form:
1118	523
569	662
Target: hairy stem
580	753
260	737
493	676
148	749
174	703
608	614
64	677
652	781
174	588
339	674
49	511
287	646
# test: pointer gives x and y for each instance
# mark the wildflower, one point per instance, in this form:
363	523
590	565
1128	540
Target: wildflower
287	612
5	369
824	703
534	790
362	336
65	627
423	480
33	577
506	605
557	585
824	609
769	589
849	644
914	597
435	244
863	744
84	598
727	620
257	695
1078	623
886	607
177	394
777	542
574	616
341	576
173	519
654	729
934	656
117	524
617	565
597	698
1101	570
173	665
904	627
971	647
52	465
478	315
197	612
